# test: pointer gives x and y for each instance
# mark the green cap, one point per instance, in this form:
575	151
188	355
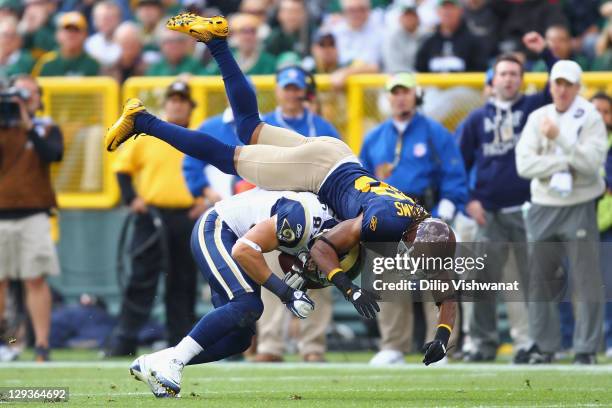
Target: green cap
442	2
405	79
10	4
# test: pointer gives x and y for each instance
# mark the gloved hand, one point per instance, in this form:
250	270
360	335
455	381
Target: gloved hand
364	301
294	280
293	277
300	304
434	351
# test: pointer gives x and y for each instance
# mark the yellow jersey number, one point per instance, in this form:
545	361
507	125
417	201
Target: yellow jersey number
367	184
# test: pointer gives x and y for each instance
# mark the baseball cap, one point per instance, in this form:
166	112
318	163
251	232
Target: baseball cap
73	19
443	2
407	5
566	69
323	35
405	79
291	76
179	88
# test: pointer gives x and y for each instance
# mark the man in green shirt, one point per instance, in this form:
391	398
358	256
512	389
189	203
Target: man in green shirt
293	33
70	59
38	26
13	59
176	59
248	48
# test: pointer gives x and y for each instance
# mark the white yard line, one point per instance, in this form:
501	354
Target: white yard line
481	368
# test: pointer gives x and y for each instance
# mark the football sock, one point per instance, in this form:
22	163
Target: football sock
191	142
242	311
234	343
239	91
187	349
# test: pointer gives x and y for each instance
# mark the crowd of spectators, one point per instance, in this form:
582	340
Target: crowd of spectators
123	38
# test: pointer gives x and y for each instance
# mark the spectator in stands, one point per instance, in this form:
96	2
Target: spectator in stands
86	7
562	149
248	49
358	36
291	92
452	48
518	17
487	140
149	15
225	7
176	50
325	60
603	50
10	8
294	31
400	46
129	38
603	103
70	59
418	156
483	24
37	26
106	17
13	58
261	10
149	175
27	252
559	42
583	18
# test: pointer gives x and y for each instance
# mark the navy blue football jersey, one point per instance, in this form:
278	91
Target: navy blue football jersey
387	212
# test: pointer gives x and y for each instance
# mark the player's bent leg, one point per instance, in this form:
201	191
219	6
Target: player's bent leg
300	168
234	343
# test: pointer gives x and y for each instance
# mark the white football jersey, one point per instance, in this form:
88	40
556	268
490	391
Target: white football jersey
300	216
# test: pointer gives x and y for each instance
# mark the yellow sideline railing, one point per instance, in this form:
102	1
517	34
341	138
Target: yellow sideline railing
85	107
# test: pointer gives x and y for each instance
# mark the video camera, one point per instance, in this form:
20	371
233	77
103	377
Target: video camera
9	108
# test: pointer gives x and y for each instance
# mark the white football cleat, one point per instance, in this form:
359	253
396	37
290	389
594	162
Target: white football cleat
162	374
387	357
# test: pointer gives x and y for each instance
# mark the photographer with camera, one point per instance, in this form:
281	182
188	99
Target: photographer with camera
28	145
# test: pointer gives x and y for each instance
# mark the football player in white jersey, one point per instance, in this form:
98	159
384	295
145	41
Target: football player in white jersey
228	243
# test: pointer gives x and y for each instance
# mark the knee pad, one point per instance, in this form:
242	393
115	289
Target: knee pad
246	309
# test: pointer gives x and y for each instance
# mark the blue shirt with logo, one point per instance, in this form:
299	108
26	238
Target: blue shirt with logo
429	157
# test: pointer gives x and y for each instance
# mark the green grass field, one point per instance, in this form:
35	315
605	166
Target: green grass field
335	384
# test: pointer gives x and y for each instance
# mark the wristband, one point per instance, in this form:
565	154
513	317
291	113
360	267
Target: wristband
443	333
332	273
275	285
342	282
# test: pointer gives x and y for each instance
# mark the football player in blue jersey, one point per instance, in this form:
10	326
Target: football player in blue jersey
227	244
279	159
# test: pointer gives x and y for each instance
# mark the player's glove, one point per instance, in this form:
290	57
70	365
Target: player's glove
364	301
294	278
300	304
436	350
